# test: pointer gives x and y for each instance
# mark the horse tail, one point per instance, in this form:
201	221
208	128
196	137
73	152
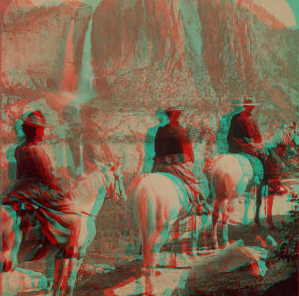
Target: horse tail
135	192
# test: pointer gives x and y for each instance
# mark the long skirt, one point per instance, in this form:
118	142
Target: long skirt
47	205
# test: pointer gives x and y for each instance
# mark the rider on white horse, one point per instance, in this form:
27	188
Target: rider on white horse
174	155
37	196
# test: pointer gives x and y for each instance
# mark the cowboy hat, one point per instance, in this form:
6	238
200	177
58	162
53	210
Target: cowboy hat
236	102
171	110
35	119
293	126
248	101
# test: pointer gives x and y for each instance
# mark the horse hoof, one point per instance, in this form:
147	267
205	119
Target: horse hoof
205	247
192	254
215	247
257	224
272	227
225	246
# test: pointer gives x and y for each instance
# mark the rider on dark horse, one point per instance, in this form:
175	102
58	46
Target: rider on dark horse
174	155
37	196
244	138
221	137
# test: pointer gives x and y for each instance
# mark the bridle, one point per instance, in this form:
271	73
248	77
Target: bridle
118	189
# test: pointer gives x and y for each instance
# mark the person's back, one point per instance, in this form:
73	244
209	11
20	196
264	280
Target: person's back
149	143
244	137
243	133
33	163
224	125
174	155
36	196
173	145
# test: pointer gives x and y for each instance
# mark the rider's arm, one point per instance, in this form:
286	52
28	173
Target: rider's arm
187	147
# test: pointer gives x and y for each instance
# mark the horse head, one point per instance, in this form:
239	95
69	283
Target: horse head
114	182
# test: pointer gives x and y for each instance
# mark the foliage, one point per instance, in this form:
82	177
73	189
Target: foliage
289	249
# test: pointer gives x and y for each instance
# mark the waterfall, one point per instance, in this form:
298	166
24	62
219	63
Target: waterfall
85	88
86	75
80	93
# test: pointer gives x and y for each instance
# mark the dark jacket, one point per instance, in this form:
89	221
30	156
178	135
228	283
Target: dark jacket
173	145
242	133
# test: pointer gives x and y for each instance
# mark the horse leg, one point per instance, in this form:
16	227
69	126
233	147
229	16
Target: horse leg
204	220
154	233
50	268
11	236
258	204
215	218
269	207
230	207
247	202
133	233
194	235
66	269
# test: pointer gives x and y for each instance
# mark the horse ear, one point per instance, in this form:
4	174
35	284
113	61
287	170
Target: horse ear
113	166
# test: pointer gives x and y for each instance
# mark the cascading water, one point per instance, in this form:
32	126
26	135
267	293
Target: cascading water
68	86
85	84
86	75
75	95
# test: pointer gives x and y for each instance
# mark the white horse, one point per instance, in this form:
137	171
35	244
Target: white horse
230	177
89	192
155	201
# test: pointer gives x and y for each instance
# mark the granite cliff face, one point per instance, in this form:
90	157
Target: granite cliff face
146	53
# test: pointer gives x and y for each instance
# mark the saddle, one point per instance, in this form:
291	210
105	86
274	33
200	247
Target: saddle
256	166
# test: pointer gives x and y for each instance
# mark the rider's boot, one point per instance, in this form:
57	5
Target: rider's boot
5	263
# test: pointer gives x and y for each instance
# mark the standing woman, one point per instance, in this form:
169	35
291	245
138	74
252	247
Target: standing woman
37	196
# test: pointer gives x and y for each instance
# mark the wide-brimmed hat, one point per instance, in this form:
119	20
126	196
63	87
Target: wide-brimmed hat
293	126
236	102
247	101
35	118
172	110
159	111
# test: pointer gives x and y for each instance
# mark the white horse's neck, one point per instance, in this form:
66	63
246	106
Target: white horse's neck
89	192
